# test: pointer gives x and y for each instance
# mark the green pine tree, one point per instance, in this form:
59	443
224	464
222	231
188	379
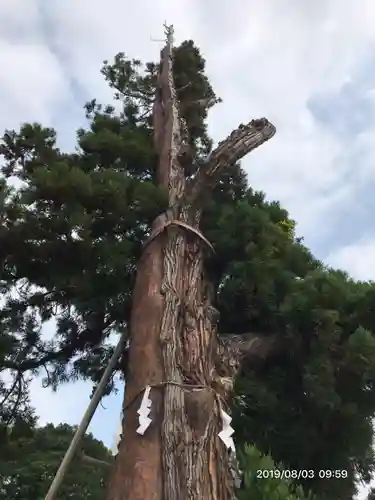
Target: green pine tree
70	239
29	461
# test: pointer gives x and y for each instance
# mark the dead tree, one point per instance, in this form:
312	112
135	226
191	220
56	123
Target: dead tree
174	347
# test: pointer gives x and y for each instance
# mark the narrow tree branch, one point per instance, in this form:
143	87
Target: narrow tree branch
94	461
240	142
66	352
251	348
33	363
252	345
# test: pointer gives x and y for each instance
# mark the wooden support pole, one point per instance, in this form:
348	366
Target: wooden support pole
85	422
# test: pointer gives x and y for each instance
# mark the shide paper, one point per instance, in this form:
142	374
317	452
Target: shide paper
144	411
226	434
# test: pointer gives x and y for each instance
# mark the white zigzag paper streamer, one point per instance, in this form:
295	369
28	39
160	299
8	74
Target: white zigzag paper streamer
226	433
144	412
117	436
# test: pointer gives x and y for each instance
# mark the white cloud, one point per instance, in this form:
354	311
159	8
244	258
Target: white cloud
32	83
20	22
272	64
358	258
69	404
263	60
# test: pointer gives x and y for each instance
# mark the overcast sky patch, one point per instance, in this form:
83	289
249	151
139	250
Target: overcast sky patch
307	66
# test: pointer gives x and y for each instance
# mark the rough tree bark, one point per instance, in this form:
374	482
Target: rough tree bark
174	346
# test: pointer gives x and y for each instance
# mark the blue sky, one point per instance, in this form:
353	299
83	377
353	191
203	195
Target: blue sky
307	66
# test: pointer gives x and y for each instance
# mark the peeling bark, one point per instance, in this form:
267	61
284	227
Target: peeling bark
173	330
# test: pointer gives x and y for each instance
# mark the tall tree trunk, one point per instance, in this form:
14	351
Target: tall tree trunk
174	347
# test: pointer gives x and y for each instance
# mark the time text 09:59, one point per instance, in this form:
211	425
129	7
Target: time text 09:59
301	473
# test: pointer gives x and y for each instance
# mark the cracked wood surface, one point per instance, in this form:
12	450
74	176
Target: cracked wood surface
173	335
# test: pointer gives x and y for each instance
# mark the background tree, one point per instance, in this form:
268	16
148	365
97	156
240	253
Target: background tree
31	455
15	409
71	236
29	461
265	480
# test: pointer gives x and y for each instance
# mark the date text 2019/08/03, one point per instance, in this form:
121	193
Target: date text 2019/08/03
301	473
